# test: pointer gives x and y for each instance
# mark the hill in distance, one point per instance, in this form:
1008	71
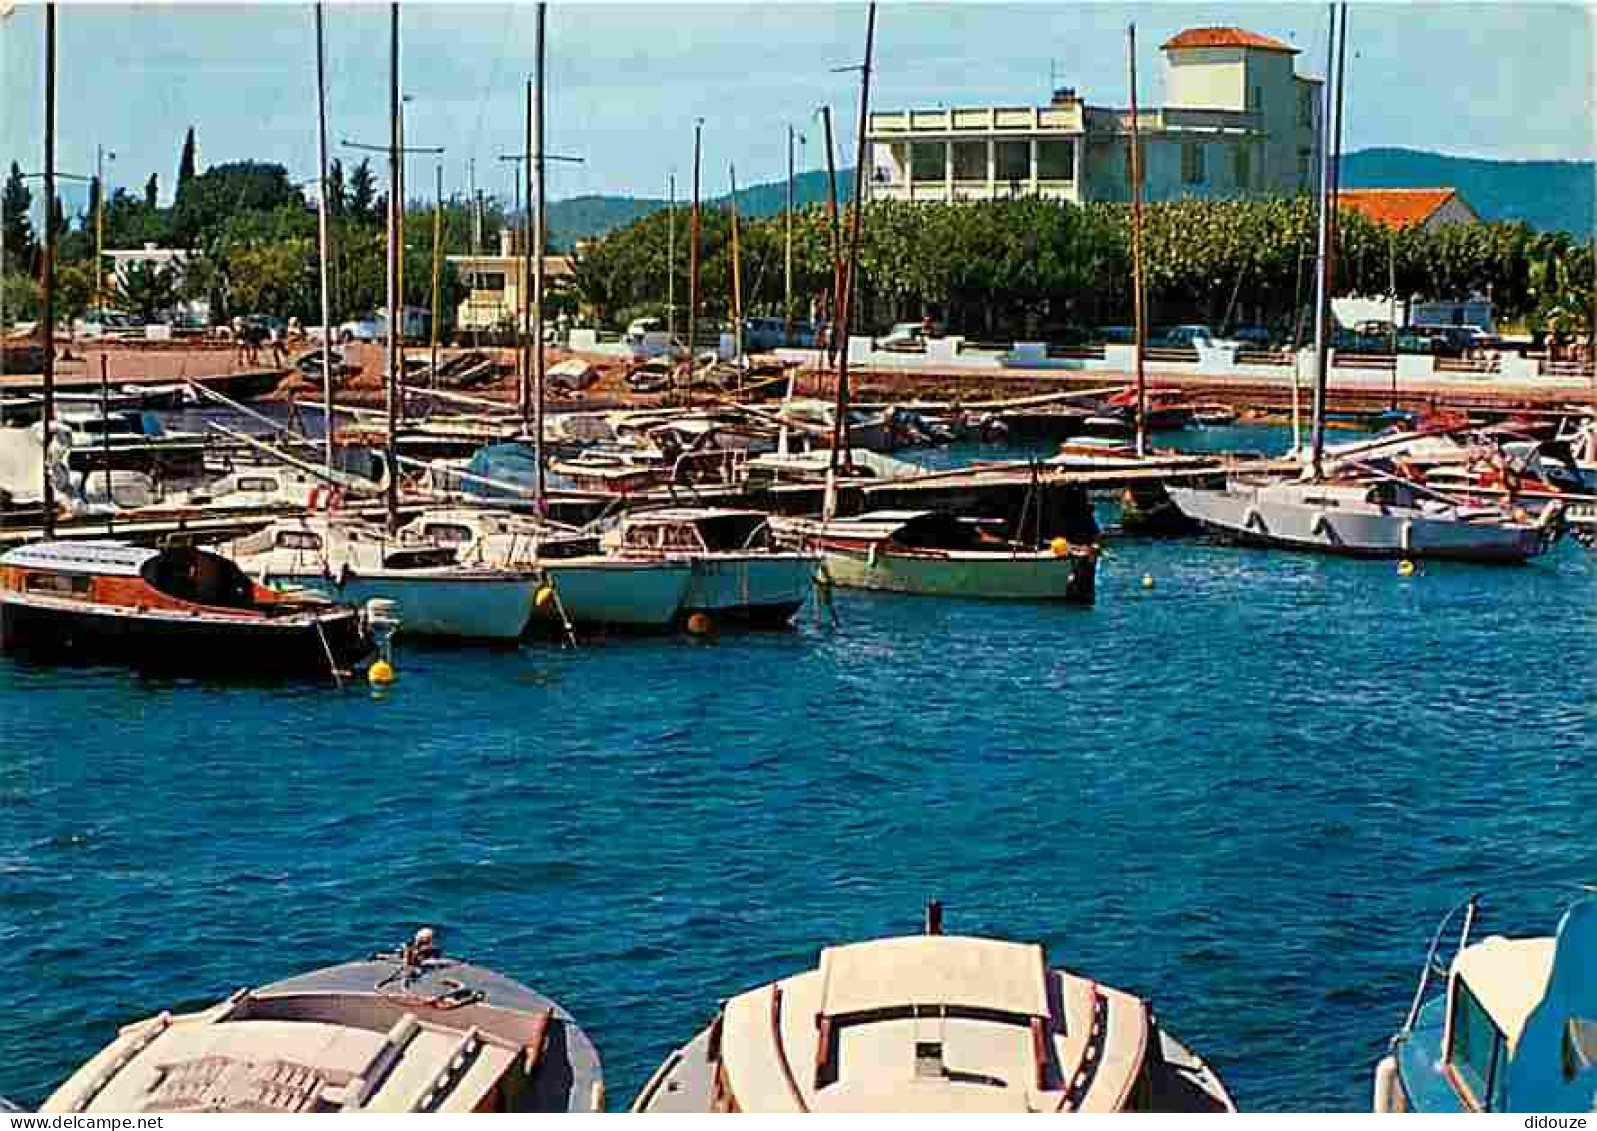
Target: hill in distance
1547	195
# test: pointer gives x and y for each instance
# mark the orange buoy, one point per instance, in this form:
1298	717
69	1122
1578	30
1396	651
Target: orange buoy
700	624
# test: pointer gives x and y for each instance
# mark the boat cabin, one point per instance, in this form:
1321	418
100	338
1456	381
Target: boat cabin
691	531
497	536
303	543
933	1023
921	530
116	573
413	1032
1516	1030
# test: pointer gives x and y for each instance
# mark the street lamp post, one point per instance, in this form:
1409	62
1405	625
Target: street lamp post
101	155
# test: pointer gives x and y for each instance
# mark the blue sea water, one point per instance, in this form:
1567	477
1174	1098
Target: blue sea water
1247	793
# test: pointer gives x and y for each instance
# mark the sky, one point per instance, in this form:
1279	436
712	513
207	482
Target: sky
627	81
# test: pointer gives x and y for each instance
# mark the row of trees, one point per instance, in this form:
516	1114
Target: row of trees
1027	266
249	234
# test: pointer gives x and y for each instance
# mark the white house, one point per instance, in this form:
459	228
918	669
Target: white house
1238	121
195	311
493	284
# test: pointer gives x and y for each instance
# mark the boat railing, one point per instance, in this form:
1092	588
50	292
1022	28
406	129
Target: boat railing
1468	907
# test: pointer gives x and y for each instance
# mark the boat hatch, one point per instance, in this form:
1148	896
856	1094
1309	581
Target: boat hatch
262	484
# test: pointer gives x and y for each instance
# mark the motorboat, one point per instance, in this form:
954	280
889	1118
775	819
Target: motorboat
350	560
178	608
412	1031
1377	516
934	1023
740	574
1509	1025
593	587
935	553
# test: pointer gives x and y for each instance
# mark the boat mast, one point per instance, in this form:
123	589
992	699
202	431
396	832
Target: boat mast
525	171
438	250
840	430
322	240
1322	298
1138	297
535	150
671	258
787	257
47	269
737	274
394	205
693	252
837	234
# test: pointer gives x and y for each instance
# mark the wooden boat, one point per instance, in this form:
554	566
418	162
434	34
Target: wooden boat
739	573
1513	1030
595	588
178	608
935	553
1165	410
1383	517
934	1023
346	559
406	1032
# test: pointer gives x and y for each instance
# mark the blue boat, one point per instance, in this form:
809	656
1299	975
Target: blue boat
1514	1031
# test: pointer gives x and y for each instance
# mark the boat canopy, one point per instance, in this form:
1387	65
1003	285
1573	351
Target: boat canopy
101	557
922	530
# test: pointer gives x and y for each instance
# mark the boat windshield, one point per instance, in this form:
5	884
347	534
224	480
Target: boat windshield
199	577
1477	1051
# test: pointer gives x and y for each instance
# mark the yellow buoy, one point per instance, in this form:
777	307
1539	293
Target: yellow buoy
545	594
1060	547
381	674
1147	581
1405	568
700	624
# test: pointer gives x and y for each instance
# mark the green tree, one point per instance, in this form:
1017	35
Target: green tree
148	290
21	248
185	170
152	192
363	192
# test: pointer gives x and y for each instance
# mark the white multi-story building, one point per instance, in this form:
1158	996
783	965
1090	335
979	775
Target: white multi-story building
1238	121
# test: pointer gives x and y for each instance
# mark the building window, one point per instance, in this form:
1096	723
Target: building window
970	161
487	281
1244	170
1306	106
1014	162
1192	163
928	161
1056	160
1305	169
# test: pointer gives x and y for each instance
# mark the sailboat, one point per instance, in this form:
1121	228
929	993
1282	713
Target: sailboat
1357	510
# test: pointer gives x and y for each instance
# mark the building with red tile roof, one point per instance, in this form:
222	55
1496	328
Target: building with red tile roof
1225	37
1398	208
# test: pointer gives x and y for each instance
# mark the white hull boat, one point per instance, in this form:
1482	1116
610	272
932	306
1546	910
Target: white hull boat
932	554
594	588
1380	519
738	574
351	562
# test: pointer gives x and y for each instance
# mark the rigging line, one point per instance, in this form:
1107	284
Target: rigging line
493	80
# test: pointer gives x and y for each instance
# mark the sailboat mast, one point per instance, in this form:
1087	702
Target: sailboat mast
525	172
394	205
837	232
671	257
1322	302
322	240
737	269
787	256
1138	295
535	152
438	252
47	268
840	431
693	247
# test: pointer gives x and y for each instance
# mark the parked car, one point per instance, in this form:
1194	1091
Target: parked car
366	328
1191	334
415	327
772	333
310	364
905	337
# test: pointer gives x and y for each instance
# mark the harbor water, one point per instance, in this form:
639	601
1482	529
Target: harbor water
1246	792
